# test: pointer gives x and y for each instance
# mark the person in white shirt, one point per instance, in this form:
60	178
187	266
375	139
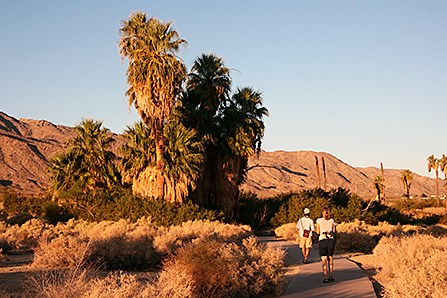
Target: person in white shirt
305	226
326	243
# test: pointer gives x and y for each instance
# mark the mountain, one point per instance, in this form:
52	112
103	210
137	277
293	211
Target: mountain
272	173
26	146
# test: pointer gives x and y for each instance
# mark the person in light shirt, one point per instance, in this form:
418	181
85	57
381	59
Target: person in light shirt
326	243
305	225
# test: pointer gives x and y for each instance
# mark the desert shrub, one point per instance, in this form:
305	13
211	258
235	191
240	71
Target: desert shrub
109	245
66	251
22	237
355	242
59	283
54	213
406	204
123	244
87	283
287	231
15	204
210	268
168	239
412	266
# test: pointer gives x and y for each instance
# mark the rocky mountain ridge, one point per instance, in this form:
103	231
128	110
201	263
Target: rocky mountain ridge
27	145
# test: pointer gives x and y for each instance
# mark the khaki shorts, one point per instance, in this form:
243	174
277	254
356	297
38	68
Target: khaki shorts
305	242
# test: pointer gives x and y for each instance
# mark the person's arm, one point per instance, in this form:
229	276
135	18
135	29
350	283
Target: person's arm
317	226
312	226
298	224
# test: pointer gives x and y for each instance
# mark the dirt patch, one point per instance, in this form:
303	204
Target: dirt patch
13	274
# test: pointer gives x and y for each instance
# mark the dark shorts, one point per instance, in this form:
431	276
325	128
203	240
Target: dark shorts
326	247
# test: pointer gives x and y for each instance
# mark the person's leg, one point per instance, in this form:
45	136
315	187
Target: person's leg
303	247
331	249
331	265
306	255
324	266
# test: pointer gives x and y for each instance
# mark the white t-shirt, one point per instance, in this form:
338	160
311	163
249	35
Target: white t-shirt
305	223
326	225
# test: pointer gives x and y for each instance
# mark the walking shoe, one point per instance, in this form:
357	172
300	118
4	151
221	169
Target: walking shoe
331	278
325	280
306	262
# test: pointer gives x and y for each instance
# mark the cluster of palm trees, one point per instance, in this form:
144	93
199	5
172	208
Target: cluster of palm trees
438	164
195	136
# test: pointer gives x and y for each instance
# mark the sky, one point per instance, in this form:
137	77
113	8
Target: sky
365	81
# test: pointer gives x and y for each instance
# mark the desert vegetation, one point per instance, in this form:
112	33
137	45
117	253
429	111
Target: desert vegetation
164	217
202	258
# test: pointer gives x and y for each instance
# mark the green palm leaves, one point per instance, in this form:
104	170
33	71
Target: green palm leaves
88	162
182	159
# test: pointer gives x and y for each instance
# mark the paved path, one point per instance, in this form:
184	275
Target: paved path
306	280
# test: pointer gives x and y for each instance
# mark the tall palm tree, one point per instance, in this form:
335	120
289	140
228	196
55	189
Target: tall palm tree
443	167
378	186
433	163
406	178
231	128
154	75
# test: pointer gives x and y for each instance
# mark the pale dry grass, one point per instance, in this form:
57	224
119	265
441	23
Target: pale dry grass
287	232
205	267
169	239
210	268
412	266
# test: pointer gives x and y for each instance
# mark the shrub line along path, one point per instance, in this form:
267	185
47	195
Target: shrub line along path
305	280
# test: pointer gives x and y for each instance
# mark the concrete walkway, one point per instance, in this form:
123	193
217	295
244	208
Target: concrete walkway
306	280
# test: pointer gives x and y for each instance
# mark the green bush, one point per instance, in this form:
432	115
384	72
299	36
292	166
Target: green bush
114	205
345	206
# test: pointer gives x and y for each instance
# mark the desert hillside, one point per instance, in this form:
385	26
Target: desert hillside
27	145
276	172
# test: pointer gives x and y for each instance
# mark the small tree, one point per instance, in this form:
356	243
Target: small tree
378	186
443	166
406	178
433	163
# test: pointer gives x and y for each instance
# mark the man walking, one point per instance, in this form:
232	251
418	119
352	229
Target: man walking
305	227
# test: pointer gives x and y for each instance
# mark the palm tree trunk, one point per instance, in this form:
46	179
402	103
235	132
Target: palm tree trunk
318	172
324	173
437	189
383	181
160	164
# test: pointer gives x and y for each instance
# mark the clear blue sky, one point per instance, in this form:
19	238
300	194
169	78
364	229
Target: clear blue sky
363	80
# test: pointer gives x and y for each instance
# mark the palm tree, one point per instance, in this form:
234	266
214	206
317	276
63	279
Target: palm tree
443	167
88	162
378	186
318	171
407	178
154	75
433	163
231	128
183	158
